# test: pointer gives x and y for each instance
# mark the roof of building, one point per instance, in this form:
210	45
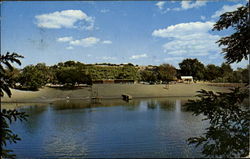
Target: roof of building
186	77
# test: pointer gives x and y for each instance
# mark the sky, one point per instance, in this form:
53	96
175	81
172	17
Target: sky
138	32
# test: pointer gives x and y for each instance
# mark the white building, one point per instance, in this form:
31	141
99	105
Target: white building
188	79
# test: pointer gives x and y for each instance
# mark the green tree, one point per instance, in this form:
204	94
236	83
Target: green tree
226	69
148	76
192	67
69	64
72	75
228	133
34	77
13	76
8	116
239	76
166	72
236	45
245	74
212	72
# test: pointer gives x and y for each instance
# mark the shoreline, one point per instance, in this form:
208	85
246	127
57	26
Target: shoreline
88	99
109	92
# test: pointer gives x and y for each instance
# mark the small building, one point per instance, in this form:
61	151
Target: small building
105	81
187	79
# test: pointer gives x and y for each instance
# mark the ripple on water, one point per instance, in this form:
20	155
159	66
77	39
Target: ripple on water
160	130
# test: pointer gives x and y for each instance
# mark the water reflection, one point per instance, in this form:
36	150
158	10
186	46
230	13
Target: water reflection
115	128
178	106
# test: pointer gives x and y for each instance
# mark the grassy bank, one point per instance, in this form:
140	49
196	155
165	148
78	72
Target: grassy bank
109	91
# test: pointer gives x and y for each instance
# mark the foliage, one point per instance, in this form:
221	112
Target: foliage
5	64
113	72
192	67
212	72
72	75
237	44
245	74
240	76
13	76
7	116
228	133
34	77
148	76
225	69
166	72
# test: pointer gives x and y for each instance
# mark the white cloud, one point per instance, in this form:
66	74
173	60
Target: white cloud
225	8
138	56
105	57
189	39
104	10
236	0
190	4
174	60
170	59
108	58
185	5
196	44
86	42
160	4
107	42
203	17
183	29
69	48
65	19
65	39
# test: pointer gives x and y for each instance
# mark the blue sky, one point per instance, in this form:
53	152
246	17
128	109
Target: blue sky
140	32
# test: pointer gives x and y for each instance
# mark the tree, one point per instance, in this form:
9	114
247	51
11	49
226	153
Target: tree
239	76
34	77
236	45
212	72
192	67
228	133
128	72
148	76
226	69
5	65
245	74
166	72
7	116
13	76
69	63
72	75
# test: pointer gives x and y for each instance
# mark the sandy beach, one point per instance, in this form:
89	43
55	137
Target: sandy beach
111	91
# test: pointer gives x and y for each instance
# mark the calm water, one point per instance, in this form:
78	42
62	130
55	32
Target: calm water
140	128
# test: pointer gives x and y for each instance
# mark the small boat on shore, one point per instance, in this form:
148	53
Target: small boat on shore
127	97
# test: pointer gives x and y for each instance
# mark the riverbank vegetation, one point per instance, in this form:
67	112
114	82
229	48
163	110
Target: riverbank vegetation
70	73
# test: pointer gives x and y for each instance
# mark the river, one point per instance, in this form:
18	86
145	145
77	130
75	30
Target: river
115	128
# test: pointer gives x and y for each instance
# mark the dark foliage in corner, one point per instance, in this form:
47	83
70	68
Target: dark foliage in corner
228	133
237	44
8	116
